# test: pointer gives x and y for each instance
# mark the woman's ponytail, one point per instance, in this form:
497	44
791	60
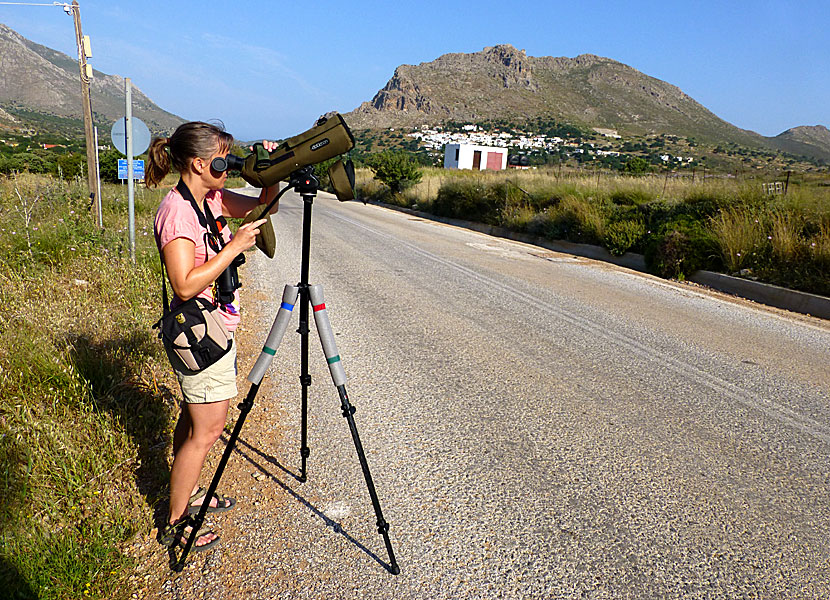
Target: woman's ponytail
158	162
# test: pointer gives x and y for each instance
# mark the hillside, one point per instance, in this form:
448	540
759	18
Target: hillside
589	91
805	140
40	90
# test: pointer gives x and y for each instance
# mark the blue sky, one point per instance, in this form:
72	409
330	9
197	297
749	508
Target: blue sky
268	69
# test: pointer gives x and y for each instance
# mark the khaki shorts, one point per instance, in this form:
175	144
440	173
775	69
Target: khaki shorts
214	384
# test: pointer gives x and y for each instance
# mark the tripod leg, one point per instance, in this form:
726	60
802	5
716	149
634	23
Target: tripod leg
289	297
305	380
199	519
272	342
338	376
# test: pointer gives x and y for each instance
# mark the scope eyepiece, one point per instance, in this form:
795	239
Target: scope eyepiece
228	163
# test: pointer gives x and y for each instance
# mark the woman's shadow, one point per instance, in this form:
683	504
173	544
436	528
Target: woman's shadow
122	385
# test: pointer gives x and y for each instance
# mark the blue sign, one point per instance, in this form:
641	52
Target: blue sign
138	169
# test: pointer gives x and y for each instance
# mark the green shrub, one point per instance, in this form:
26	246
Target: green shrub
398	170
622	236
467	198
578	219
637	166
681	247
23	162
70	166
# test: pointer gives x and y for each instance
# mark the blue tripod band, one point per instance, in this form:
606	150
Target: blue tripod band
286	306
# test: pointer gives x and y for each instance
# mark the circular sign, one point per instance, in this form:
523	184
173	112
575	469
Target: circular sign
141	136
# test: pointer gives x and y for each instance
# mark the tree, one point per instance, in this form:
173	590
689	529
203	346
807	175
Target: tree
636	165
108	164
71	165
395	169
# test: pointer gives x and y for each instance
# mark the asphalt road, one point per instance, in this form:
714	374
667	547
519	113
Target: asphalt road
537	425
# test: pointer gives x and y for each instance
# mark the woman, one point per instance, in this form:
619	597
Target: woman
194	258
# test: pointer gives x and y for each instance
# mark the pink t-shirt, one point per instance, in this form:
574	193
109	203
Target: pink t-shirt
176	218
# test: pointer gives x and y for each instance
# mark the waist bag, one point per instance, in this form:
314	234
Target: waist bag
194	335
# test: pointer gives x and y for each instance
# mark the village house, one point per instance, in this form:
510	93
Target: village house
477	158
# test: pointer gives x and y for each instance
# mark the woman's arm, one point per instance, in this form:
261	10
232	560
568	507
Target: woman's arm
238	205
180	257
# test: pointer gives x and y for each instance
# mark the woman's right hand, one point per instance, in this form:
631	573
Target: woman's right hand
245	236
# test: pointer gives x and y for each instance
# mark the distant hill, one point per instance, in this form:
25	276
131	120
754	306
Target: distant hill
805	140
40	90
501	82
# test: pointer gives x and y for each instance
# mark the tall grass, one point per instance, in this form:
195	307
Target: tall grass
741	236
84	411
681	224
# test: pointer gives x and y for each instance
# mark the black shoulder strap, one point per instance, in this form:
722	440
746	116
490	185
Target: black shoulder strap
164	287
206	219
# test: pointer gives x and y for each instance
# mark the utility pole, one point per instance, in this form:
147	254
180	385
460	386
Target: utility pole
85	52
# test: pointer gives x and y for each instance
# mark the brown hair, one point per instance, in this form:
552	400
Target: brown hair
190	140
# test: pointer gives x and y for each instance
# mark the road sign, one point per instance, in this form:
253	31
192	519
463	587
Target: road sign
141	136
138	169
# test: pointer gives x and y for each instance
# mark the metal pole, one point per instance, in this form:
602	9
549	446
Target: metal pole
86	102
99	206
130	184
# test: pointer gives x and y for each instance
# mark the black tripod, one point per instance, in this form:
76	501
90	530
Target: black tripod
306	184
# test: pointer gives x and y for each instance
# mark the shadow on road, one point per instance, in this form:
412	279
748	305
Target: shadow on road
252	459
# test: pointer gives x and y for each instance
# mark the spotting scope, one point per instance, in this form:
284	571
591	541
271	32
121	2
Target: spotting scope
329	137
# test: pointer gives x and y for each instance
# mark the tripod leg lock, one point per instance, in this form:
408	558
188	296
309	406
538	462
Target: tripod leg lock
305	452
348	409
383	527
305	380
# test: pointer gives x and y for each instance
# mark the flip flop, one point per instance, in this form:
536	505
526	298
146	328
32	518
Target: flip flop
223	503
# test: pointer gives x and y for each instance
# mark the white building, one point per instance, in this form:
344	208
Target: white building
477	158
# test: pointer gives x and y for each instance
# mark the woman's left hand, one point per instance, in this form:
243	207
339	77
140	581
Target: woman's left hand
269	146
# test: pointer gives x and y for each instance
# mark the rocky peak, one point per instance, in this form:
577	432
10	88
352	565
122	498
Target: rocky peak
510	65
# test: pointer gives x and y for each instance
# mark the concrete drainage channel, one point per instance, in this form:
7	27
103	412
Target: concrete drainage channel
762	293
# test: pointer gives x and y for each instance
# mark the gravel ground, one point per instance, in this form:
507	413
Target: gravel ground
537	426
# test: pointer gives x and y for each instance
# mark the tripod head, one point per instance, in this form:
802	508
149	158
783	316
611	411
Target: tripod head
304	181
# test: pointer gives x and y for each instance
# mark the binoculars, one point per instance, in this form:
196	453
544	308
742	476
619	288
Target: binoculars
329	137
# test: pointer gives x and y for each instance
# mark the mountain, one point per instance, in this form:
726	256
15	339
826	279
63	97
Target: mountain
501	82
40	89
805	140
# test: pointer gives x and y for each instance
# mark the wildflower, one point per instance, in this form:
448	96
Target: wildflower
739	253
73	249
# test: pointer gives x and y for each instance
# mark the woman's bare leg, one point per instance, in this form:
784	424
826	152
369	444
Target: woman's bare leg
207	421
